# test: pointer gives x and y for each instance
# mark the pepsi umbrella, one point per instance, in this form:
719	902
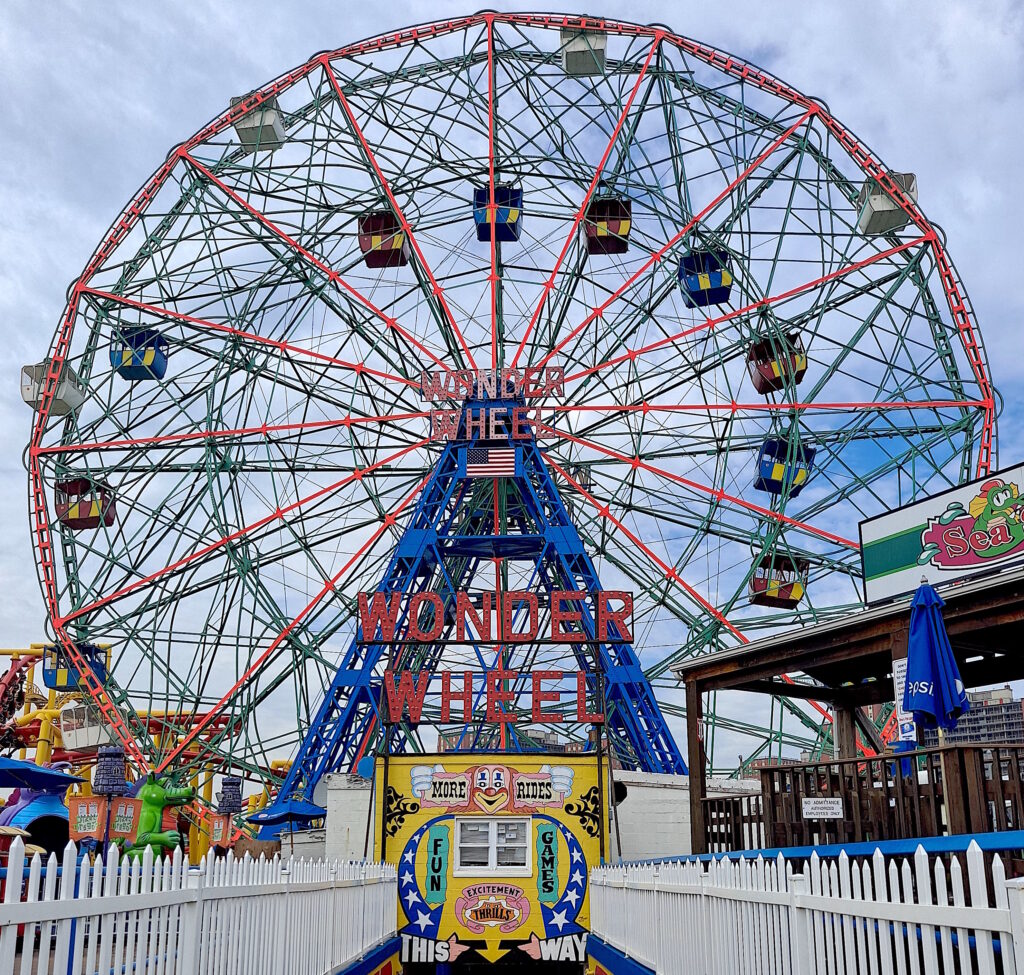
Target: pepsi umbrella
934	689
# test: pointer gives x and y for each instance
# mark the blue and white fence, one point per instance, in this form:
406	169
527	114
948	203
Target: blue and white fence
881	915
288	917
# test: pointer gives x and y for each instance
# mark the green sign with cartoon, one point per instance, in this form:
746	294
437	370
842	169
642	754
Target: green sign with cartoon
950	536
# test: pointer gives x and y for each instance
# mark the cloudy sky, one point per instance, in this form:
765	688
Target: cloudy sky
94	95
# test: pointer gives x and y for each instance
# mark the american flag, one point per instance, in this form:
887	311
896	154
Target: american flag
490	462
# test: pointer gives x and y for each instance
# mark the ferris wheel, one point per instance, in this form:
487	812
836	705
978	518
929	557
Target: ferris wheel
761	340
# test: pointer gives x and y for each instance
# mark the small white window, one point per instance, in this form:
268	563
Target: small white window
493	847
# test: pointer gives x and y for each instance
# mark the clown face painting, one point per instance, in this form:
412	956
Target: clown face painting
489	788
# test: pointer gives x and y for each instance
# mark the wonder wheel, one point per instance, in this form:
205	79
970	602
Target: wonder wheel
762	340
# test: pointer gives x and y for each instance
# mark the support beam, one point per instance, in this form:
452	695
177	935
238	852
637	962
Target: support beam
844	732
698	768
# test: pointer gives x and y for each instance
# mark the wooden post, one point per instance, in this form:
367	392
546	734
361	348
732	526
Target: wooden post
698	771
844	732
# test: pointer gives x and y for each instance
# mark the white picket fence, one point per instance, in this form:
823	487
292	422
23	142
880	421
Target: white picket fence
245	916
839	917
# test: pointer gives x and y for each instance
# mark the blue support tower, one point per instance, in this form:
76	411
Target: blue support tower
455	531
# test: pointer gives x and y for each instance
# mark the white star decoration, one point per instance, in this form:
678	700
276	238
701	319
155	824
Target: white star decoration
407	878
412	898
422	920
576	854
576	878
407	857
571	896
559	918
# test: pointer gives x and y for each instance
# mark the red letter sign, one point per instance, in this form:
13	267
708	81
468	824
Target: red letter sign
559	616
406	693
620	617
498	695
582	715
415	604
373	614
541	696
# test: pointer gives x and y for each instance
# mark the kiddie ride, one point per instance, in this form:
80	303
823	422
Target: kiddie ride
57	727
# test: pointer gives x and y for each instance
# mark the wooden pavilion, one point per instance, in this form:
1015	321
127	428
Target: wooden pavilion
848	664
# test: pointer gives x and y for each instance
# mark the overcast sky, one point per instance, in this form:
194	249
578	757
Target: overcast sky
93	95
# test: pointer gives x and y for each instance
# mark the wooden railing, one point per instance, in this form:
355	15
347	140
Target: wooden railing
734	823
947	790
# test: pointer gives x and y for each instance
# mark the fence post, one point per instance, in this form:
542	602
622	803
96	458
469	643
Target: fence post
1015	902
191	936
799	926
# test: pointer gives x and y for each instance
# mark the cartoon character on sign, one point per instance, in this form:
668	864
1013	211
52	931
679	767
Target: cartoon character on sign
990	529
491	788
998	505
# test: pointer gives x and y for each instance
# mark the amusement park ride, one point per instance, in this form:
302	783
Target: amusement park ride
571	310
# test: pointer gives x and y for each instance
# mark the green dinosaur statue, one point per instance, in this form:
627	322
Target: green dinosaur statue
157	795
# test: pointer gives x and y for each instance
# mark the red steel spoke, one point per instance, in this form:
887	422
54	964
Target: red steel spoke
673	576
659	254
670	573
734	407
333	276
712	323
263	658
261	430
357	367
717	493
406	226
278	515
581	212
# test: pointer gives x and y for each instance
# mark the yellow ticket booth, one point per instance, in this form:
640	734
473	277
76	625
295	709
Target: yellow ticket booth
493	854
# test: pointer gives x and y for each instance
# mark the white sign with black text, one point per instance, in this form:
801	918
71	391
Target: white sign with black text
822	807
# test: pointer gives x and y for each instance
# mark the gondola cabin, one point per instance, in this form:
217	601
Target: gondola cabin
262	128
583	52
607	224
82	729
772	363
506	216
781	467
779	581
139	353
60	672
494	854
69	395
878	212
83	503
382	240
705	277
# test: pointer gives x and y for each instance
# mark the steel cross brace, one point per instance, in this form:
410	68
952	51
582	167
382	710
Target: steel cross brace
449	534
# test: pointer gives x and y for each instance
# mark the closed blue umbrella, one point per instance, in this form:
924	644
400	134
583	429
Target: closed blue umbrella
934	689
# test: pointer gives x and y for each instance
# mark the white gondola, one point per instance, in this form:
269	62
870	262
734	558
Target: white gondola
879	213
82	729
70	389
583	51
262	128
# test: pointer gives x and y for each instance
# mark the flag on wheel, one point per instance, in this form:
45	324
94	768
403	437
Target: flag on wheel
490	462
